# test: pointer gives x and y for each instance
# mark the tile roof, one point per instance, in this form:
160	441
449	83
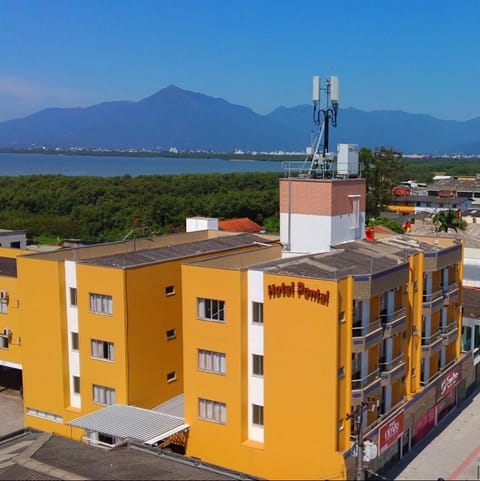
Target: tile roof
243	224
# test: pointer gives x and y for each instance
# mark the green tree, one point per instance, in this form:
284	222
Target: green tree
449	219
382	170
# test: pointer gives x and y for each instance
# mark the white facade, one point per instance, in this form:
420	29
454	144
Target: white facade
72	328
255	347
201	223
316	233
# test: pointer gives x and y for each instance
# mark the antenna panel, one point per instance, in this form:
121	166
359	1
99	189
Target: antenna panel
335	89
316	89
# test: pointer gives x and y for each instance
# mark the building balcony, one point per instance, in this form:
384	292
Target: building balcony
432	344
391	371
450	293
449	333
433	302
365	337
394	323
365	387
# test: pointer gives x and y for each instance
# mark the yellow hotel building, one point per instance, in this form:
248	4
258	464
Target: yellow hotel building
288	354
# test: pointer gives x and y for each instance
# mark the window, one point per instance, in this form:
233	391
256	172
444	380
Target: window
257	312
44	414
355	210
169	290
76	384
103	394
211	309
257	365
74	337
3	342
101	304
171	376
102	350
212	411
212	361
73	296
171	334
257	414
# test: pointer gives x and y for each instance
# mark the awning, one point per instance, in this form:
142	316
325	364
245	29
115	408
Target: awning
131	422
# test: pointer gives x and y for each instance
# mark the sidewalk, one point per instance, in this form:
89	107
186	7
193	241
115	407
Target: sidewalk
451	451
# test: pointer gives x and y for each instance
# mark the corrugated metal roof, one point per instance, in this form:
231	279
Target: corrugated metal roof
123	422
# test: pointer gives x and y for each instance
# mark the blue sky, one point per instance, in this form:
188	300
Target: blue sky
418	56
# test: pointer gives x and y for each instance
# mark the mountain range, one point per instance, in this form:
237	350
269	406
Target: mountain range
174	117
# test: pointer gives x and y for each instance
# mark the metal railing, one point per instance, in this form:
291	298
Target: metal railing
433	295
449	327
364	382
389	365
426	341
362	331
394	316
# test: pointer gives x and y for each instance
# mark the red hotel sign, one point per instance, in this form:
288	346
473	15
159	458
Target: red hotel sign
289	290
390	432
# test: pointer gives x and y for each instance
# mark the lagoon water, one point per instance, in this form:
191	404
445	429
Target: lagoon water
80	165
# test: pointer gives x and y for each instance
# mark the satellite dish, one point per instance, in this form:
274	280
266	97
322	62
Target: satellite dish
370	451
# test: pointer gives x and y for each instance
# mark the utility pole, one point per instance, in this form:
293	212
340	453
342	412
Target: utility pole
356	414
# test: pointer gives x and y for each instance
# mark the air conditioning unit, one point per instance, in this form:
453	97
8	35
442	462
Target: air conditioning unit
7	333
4	296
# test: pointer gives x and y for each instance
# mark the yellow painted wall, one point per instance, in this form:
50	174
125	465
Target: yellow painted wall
300	378
41	289
150	314
11	319
105	281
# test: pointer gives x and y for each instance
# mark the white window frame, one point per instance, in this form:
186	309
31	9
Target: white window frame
211	361
103	350
213	411
171	376
75	339
257	415
103	395
355	210
257	312
72	294
211	309
257	365
76	384
171	334
101	304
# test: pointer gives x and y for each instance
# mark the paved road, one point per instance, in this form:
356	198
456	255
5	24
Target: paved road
453	454
11	411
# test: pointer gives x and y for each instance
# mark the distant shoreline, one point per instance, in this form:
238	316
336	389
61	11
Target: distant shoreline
160	154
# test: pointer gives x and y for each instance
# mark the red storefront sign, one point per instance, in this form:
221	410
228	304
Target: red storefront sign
390	432
449	382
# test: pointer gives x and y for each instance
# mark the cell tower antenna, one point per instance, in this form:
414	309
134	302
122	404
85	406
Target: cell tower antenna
323	117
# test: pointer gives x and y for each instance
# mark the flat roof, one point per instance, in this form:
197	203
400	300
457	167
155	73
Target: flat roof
142	425
178	251
8	267
352	258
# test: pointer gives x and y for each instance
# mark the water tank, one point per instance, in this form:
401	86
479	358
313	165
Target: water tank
347	160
